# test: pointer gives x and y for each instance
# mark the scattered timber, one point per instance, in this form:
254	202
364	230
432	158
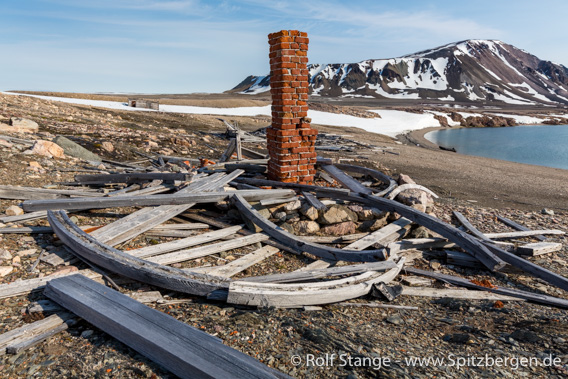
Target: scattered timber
31	193
517	226
113	260
182	349
539	248
455	293
390	183
134	177
130	201
241	264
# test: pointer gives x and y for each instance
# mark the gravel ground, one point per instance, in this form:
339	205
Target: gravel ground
334	341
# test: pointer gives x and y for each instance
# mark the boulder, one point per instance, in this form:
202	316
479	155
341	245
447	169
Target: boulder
292	206
75	150
24	125
47	149
416	199
337	213
14	210
372	225
309	212
366	213
405	179
340	229
107	146
303	228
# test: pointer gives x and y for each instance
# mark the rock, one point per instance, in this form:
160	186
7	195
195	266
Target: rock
416	199
366	213
340	229
4	143
151	144
292	206
16	260
372	225
546	211
558	340
287	227
5	254
107	146
27	253
5	270
35	165
87	333
309	212
24	125
75	150
420	232
47	149
395	319
405	179
337	213
459	338
14	210
281	216
303	228
524	335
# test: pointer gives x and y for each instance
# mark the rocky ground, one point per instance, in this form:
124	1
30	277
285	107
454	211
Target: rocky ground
329	341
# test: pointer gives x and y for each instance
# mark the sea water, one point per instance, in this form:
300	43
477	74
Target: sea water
543	145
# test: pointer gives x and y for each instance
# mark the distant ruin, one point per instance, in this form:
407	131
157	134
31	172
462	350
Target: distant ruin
144	103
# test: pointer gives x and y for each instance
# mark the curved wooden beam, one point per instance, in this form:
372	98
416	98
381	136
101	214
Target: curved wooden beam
297	294
124	264
372	173
408	186
299	244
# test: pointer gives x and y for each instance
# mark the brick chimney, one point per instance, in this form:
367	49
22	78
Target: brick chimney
290	138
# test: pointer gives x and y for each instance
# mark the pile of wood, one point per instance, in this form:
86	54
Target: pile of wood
177	206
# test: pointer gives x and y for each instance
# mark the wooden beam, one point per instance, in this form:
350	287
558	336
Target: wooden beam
527	233
203	251
29	335
382	236
455	294
133	177
239	265
517	226
539	248
306	275
391	184
472	229
108	258
229	151
345	180
151	200
31	193
182	349
314	201
287	238
167	247
529	296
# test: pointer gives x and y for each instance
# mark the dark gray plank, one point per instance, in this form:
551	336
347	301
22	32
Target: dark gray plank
516	226
134	177
180	348
345	180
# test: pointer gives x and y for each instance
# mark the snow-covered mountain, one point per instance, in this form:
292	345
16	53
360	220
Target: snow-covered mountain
479	71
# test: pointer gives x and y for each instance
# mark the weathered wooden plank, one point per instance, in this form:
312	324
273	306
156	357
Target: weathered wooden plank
171	233
229	150
459	258
314	201
24	217
455	294
517	226
333	239
181	226
383	236
268	202
289	295
465	222
239	265
133	177
391	184
526	233
287	238
539	248
184	243
182	349
145	219
424	243
529	296
122	191
27	230
150	200
345	180
252	153
31	193
202	251
319	264
306	275
378	305
25	286
26	336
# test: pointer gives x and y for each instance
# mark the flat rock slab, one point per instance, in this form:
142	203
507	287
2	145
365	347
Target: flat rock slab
75	150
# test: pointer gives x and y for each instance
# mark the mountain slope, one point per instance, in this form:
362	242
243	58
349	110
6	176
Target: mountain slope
474	71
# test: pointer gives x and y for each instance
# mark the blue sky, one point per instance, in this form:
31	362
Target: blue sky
185	46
